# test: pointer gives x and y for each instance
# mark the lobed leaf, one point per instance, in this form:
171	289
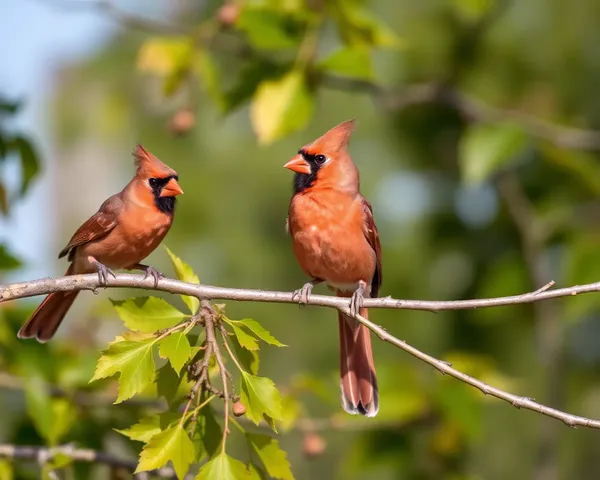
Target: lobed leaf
173	444
176	347
133	361
185	273
144	430
260	396
223	467
148	314
209	432
271	455
259	331
172	386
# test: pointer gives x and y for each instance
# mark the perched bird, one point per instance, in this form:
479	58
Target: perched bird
125	230
335	241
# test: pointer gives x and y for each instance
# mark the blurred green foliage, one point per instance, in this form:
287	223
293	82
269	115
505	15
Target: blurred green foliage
232	95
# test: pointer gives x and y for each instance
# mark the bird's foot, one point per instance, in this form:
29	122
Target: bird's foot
103	272
303	294
154	273
357	299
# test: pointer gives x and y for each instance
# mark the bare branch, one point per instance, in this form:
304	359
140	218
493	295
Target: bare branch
205	292
208	292
446	369
36	452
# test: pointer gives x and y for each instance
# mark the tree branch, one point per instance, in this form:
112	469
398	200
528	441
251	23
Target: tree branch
473	110
71	283
389	98
39	453
207	292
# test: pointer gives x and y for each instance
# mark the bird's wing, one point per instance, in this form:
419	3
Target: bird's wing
99	225
372	236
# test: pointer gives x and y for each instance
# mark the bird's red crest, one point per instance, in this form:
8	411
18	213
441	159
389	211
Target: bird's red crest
149	165
334	140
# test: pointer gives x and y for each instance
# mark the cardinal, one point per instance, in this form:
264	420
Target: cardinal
335	241
125	230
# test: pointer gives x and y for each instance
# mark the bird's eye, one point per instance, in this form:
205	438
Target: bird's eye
153	182
320	159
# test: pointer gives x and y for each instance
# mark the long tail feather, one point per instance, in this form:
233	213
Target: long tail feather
358	381
48	316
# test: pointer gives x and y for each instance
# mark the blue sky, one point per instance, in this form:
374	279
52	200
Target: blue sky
35	38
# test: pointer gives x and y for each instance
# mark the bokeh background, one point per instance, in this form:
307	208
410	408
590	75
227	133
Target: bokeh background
476	146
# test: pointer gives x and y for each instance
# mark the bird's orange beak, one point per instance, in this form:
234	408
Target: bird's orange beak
298	165
171	189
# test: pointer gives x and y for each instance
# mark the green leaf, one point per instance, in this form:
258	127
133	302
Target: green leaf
148	314
170	385
6	470
271	455
249	359
260	396
358	26
134	362
52	418
176	347
290	411
7	260
173	444
486	148
245	340
30	164
64	415
350	61
211	78
281	106
223	467
39	406
249	78
161	56
144	430
259	331
265	29
209	432
185	273
3	200
472	10
10	108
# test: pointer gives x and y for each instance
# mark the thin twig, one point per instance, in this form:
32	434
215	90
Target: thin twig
203	292
209	322
390	98
34	452
446	369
